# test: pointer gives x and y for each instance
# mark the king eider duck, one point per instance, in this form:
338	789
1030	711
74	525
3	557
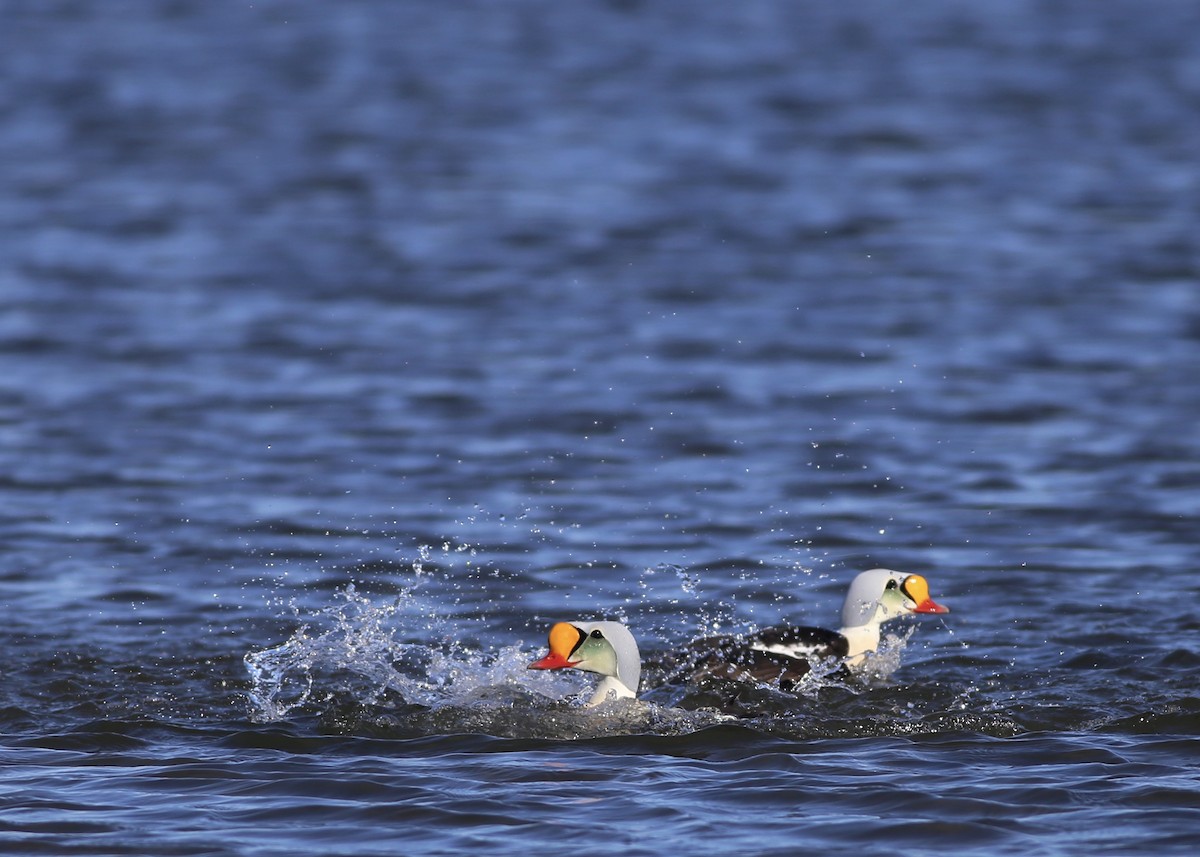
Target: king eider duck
607	648
782	654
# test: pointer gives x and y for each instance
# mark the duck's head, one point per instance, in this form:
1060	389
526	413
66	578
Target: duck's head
606	648
881	594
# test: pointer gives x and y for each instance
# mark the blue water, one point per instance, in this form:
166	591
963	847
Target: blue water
346	347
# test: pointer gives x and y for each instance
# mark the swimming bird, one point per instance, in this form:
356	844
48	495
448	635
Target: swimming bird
782	654
607	648
786	653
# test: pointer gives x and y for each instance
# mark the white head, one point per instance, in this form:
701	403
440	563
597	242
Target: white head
880	594
606	648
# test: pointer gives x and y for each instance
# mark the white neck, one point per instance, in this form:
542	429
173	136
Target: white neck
610	687
862	640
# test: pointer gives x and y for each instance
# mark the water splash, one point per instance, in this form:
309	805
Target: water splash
351	642
346	664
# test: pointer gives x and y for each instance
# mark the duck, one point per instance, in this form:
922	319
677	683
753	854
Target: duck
606	648
787	653
782	654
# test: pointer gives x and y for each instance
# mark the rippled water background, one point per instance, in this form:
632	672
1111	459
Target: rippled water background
368	339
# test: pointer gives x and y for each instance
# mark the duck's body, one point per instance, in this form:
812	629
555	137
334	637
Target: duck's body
782	654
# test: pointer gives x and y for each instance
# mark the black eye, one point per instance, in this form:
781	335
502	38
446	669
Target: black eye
597	635
891	584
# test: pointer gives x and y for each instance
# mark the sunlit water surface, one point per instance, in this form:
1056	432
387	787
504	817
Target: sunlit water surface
345	348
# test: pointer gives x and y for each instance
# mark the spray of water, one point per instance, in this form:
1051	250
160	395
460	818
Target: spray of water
351	642
350	650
